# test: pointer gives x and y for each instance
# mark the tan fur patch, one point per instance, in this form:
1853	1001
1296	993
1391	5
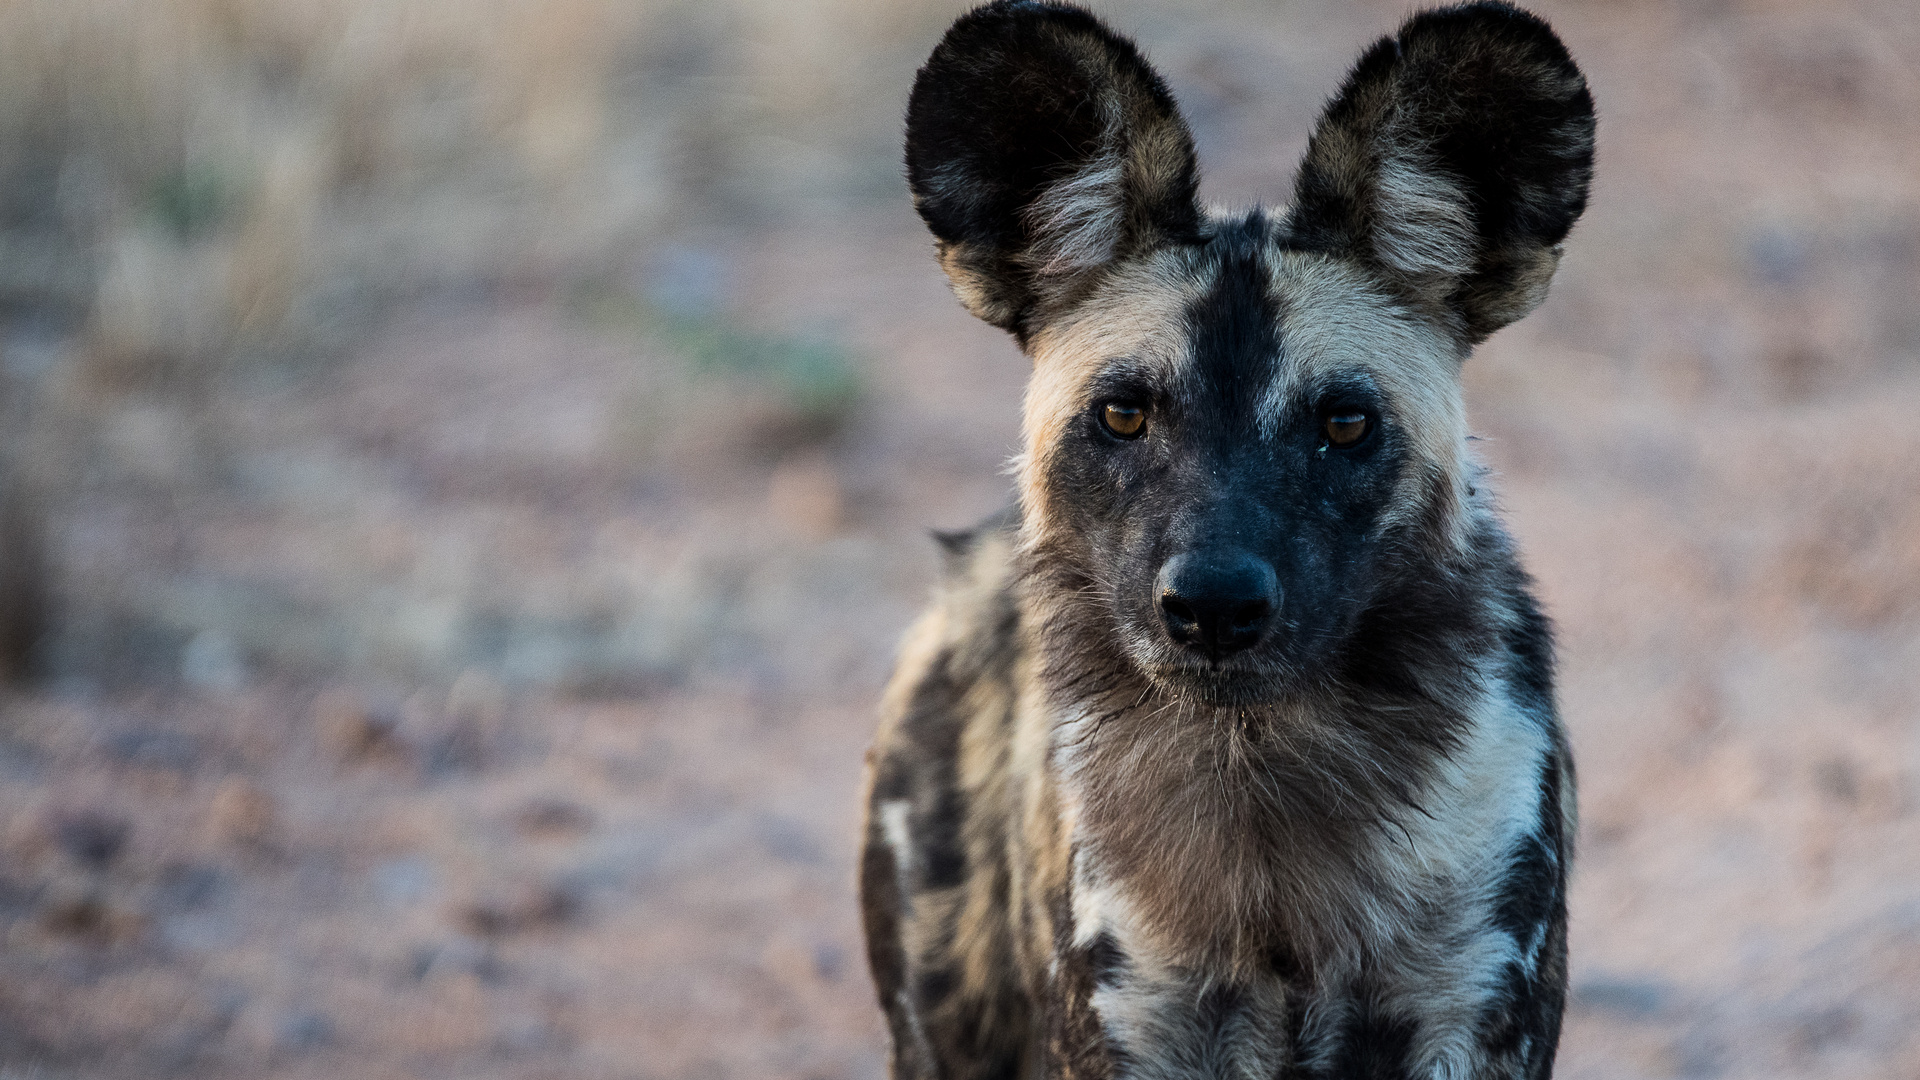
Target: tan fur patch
972	274
1338	320
1136	314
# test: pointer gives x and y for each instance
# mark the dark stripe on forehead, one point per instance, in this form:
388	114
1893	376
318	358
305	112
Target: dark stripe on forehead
1234	328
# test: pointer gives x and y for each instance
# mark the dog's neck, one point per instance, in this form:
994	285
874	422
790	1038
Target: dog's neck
1255	837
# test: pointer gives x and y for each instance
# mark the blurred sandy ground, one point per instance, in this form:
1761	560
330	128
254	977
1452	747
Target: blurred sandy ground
465	463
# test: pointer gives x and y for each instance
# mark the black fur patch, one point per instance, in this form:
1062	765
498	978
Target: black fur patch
1530	643
1235	330
927	778
1017	97
1527	894
934	986
1105	962
1372	1046
1216	1005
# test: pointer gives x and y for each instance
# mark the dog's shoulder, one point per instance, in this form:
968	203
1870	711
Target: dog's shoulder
968	635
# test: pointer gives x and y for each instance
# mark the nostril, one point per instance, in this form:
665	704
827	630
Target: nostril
1251	614
1177	609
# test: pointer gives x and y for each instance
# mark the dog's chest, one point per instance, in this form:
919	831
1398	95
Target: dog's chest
1393	978
1410	1006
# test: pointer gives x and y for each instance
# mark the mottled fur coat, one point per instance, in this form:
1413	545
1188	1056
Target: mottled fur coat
1232	750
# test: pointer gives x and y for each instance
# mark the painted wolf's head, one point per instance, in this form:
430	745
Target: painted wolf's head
1245	442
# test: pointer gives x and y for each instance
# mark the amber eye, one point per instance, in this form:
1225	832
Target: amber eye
1124	420
1346	428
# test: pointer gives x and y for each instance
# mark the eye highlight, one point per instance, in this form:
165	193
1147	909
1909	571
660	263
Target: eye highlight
1123	420
1346	428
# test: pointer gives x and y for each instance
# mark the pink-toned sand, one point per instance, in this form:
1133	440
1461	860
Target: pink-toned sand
616	839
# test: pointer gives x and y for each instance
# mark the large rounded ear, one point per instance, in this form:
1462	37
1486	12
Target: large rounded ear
1452	162
1042	148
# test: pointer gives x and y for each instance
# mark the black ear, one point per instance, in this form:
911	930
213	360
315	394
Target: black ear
1041	148
1453	162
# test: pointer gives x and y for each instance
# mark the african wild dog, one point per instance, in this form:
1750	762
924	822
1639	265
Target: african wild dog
1233	750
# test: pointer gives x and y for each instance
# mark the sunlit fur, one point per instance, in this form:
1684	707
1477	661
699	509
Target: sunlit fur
1092	851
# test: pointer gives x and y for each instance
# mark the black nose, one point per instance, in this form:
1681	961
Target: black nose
1218	602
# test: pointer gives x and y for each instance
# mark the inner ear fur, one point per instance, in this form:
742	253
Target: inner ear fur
1452	162
1042	148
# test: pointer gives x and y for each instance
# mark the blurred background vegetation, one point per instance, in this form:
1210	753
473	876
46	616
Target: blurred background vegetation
209	201
464	464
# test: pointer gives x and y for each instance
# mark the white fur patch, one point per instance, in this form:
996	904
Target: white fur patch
893	814
893	827
1485	800
1425	226
1153	1012
1077	221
